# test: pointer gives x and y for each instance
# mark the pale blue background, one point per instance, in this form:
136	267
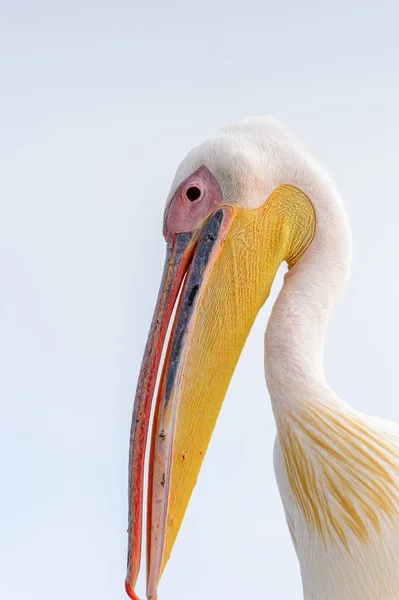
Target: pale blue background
99	101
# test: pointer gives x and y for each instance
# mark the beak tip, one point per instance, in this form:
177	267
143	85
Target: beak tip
130	592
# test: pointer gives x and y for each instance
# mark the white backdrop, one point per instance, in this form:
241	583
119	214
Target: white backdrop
99	102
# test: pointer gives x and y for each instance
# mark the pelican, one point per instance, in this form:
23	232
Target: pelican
242	203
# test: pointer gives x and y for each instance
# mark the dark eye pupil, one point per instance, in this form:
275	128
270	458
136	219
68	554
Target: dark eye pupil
193	193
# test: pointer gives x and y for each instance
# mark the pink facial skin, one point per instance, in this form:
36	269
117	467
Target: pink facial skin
195	199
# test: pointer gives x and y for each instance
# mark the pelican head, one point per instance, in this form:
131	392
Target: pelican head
241	203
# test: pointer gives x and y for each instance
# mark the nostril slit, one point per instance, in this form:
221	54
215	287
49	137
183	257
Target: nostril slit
193	193
192	295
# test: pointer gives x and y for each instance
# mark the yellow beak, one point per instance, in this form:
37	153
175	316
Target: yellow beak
224	273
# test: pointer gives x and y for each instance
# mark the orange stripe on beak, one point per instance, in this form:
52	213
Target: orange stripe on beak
178	256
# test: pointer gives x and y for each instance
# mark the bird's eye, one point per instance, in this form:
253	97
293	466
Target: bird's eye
193	193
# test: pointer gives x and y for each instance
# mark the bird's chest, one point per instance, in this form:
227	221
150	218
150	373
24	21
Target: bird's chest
330	572
347	546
